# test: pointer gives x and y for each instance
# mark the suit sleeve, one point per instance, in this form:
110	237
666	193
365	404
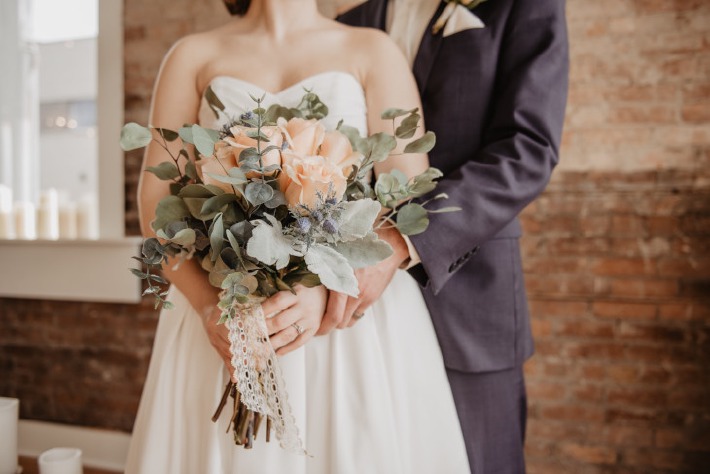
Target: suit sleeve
519	146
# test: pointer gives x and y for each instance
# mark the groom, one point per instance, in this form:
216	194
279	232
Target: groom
493	82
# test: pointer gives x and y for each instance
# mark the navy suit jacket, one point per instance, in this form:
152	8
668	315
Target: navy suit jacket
495	97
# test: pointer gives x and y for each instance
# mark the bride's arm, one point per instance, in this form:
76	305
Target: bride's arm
175	102
388	83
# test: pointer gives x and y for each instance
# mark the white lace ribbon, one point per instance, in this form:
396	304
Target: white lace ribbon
258	374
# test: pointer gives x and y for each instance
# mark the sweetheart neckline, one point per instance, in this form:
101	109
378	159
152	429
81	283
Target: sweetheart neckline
289	88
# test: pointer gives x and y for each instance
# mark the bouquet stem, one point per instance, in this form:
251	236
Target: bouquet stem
244	422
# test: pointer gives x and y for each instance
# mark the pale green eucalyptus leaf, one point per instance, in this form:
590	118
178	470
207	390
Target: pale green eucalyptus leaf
412	219
213	101
186	134
423	144
165	171
258	193
444	210
332	269
191	170
204	140
390	114
216	236
184	238
169	209
381	145
356	141
227	179
217	203
167	134
134	136
408	126
200	191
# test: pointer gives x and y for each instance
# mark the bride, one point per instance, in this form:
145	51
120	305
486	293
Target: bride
368	399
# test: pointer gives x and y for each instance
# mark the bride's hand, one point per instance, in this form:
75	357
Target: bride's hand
344	311
218	336
299	317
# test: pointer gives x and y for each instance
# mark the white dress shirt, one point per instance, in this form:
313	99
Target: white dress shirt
406	22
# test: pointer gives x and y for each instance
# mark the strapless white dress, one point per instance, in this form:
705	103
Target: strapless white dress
370	399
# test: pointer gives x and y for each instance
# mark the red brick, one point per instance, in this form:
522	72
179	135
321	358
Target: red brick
644	288
588	454
585	329
651	332
620	310
631	436
623	266
572	413
670	438
552	308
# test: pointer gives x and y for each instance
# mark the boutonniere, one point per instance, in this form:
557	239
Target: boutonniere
449	12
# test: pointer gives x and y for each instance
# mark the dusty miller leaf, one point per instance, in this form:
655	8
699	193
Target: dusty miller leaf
357	218
332	268
364	252
269	245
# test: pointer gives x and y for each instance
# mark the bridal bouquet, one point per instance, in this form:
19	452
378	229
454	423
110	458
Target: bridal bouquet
272	200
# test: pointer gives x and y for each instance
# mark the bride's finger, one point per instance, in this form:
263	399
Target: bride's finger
334	312
282	320
279	302
350	309
296	343
284	337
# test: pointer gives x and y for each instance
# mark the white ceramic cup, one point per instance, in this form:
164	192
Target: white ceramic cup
60	461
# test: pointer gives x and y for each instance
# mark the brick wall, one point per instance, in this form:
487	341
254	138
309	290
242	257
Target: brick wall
616	255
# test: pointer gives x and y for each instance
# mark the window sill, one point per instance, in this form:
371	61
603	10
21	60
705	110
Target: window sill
74	270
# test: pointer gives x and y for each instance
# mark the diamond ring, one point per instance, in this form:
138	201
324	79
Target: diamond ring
299	329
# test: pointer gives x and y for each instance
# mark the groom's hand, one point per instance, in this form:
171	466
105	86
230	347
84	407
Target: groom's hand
344	311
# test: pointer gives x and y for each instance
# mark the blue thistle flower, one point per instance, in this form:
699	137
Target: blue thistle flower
247	115
330	226
304	224
317	215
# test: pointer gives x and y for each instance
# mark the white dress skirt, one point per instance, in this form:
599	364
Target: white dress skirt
373	398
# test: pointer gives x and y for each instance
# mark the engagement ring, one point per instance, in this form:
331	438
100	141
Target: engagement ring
299	329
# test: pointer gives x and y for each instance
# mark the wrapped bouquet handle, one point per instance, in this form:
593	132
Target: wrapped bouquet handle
258	376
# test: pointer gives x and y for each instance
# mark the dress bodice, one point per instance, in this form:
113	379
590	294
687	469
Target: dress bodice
340	91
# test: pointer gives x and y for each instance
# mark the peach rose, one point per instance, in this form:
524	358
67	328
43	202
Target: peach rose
336	147
304	177
304	137
227	153
314	161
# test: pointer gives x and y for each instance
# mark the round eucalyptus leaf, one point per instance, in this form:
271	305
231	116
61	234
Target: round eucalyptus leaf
134	136
258	193
412	219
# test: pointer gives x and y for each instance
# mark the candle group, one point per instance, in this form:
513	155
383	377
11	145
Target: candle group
56	217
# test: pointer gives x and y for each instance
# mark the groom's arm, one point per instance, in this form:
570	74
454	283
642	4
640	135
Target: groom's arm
520	143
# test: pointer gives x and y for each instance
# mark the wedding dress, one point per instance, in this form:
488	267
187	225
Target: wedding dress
370	399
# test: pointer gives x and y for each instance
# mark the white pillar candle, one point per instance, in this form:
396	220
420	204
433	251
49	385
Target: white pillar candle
67	221
48	215
87	219
60	461
25	226
7	218
9	413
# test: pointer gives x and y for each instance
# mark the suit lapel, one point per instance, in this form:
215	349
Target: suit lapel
428	49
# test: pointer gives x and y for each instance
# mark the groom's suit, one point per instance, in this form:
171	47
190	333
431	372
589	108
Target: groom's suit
495	97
